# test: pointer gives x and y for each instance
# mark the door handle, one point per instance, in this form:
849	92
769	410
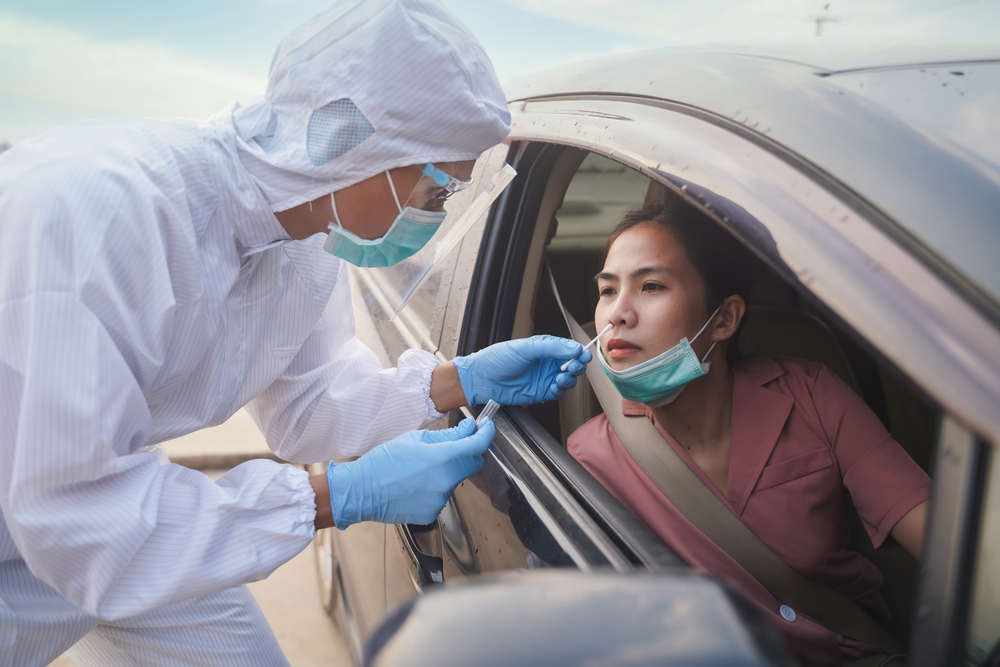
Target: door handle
427	570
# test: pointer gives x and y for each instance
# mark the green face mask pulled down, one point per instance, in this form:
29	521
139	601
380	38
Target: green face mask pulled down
660	380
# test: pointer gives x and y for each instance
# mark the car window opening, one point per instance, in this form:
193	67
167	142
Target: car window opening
780	322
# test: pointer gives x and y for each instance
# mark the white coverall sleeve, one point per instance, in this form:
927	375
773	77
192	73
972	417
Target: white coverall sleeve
116	533
335	401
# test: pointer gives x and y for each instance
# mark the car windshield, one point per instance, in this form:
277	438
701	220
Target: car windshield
956	103
960	102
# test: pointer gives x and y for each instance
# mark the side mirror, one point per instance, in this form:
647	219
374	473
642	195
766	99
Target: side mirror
567	618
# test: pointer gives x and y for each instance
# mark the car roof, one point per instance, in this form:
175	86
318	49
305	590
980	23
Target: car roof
909	130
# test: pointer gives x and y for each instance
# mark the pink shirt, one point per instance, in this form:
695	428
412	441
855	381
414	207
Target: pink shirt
799	437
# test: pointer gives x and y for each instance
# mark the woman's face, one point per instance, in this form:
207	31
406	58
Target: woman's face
651	294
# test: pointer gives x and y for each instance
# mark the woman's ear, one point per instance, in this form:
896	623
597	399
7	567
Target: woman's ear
730	315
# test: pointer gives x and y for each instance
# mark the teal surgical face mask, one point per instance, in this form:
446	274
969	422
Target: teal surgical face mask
410	232
660	380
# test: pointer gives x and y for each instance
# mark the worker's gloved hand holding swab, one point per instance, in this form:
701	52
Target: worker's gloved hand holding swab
595	339
523	371
408	479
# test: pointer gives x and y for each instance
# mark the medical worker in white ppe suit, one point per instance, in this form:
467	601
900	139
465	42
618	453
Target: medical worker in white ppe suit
156	276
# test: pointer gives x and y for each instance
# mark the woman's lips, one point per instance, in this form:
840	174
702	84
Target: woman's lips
619	348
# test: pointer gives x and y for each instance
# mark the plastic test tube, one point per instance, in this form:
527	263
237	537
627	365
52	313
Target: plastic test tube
487	413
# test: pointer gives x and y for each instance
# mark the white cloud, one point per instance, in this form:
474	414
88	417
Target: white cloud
687	22
58	68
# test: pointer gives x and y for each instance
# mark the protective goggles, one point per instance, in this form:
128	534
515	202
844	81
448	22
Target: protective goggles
388	289
434	188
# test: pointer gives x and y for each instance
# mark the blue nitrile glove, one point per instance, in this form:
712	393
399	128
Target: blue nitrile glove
523	371
408	479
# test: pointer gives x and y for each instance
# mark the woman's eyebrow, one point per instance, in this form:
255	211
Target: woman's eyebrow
638	273
658	268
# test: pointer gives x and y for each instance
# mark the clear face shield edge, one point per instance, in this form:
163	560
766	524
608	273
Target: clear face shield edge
458	204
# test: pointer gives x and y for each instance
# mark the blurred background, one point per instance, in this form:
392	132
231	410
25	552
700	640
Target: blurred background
63	60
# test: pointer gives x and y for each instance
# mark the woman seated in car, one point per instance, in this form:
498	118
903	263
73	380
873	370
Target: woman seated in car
780	440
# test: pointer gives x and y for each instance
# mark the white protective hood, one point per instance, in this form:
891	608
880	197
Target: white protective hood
425	87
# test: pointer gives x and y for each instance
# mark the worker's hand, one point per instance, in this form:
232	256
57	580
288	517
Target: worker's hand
523	371
408	479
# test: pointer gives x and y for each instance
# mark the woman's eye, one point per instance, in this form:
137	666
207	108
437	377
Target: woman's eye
652	287
607	291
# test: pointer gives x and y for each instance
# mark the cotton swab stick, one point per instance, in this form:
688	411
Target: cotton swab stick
603	331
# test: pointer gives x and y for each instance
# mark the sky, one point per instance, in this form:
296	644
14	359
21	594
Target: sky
64	60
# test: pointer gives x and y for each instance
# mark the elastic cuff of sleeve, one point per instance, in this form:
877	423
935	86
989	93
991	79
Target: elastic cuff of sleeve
346	512
304	498
427	363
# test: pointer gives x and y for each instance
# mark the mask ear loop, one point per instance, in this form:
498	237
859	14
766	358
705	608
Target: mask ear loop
333	205
704	326
392	187
333	201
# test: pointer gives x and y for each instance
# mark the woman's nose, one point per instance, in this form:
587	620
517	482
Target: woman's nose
622	314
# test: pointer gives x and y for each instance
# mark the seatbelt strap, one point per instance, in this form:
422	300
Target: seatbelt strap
712	517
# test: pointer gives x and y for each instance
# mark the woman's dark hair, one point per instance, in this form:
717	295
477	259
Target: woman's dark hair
723	263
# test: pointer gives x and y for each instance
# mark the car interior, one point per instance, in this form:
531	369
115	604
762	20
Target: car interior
585	196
